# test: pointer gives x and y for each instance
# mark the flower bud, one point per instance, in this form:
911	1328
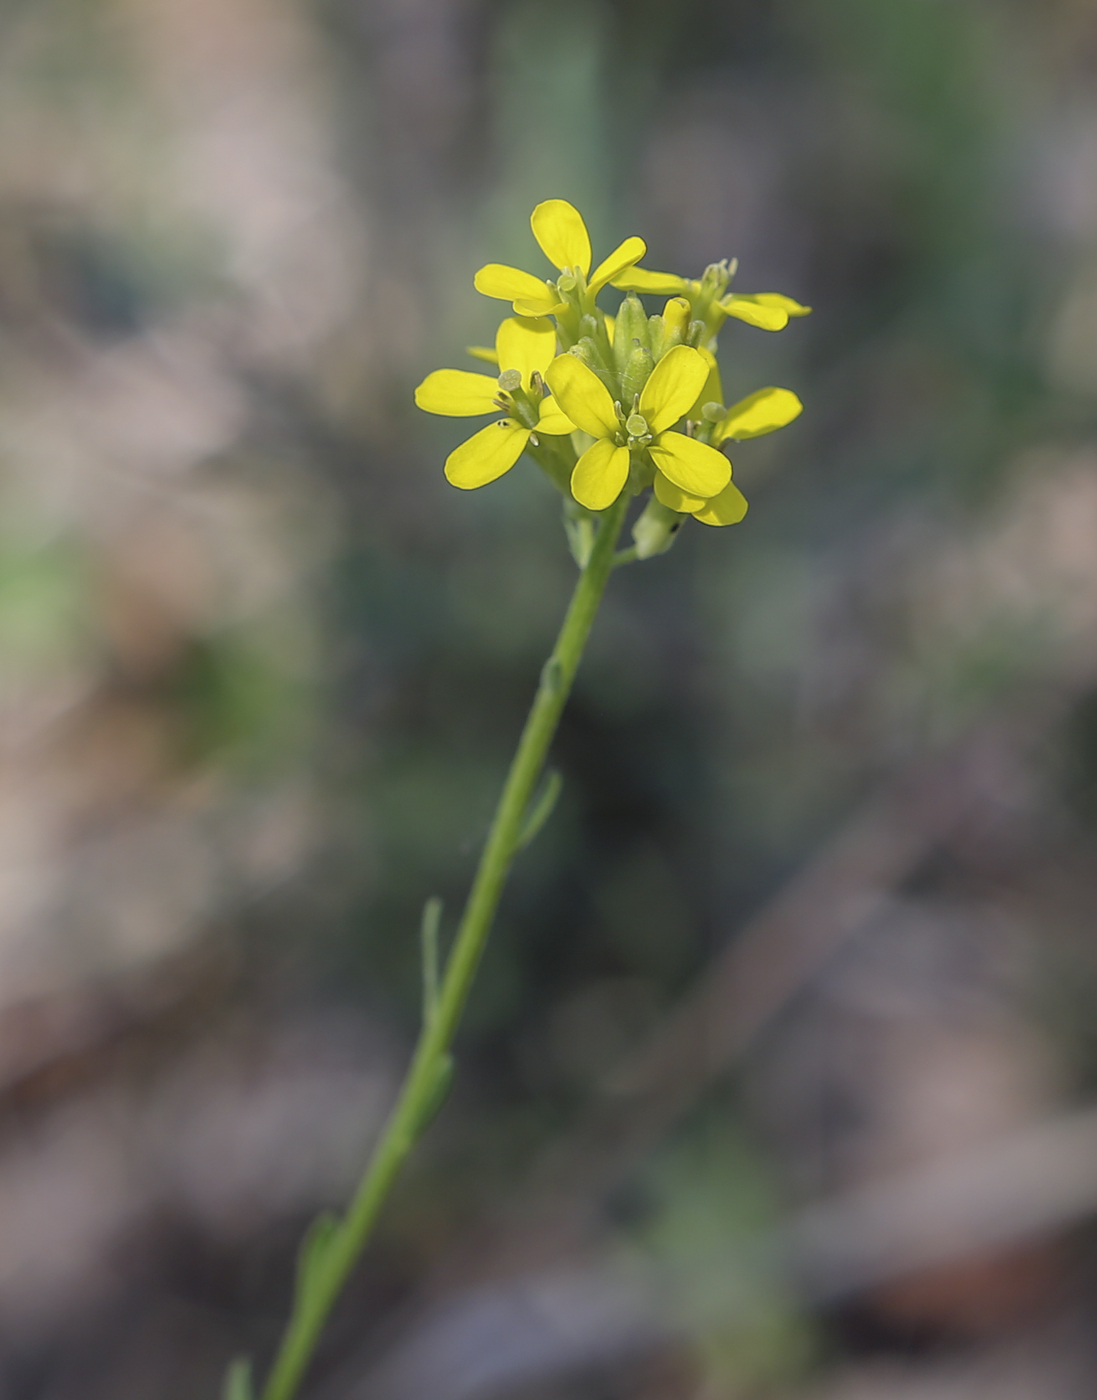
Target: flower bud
587	351
715	280
637	371
630	329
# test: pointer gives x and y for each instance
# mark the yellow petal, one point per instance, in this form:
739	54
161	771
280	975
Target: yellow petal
599	474
728	508
611	321
676	316
762	412
785	303
769	311
642	279
458	393
486	455
553	420
582	396
696	468
512	284
622	258
711	390
548	305
673	387
482	352
526	343
558	227
674	498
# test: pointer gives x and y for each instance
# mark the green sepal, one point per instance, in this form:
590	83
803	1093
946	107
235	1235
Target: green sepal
593	328
656	332
592	357
656	529
579	528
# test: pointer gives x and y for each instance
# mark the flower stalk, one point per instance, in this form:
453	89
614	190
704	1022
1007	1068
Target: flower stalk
333	1247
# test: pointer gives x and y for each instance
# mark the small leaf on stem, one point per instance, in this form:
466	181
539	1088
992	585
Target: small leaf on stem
314	1247
541	809
429	930
238	1381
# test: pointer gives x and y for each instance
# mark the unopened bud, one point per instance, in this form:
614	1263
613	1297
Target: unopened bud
510	380
637	372
716	278
588	352
630	329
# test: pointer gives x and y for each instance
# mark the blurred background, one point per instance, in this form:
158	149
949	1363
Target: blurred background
779	1078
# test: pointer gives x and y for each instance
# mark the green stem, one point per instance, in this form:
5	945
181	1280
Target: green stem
322	1274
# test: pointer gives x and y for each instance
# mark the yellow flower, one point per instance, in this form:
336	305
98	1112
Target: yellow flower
525	349
559	229
697	470
762	412
770	311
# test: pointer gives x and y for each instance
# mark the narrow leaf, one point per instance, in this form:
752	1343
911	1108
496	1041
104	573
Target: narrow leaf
437	1094
314	1247
238	1381
429	930
541	809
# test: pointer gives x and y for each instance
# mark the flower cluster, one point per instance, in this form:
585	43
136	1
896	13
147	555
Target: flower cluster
606	404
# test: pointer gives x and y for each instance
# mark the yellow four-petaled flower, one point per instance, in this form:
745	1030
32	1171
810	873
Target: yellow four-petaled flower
525	349
559	229
601	472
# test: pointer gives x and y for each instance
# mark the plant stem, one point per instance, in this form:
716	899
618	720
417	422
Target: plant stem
321	1277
